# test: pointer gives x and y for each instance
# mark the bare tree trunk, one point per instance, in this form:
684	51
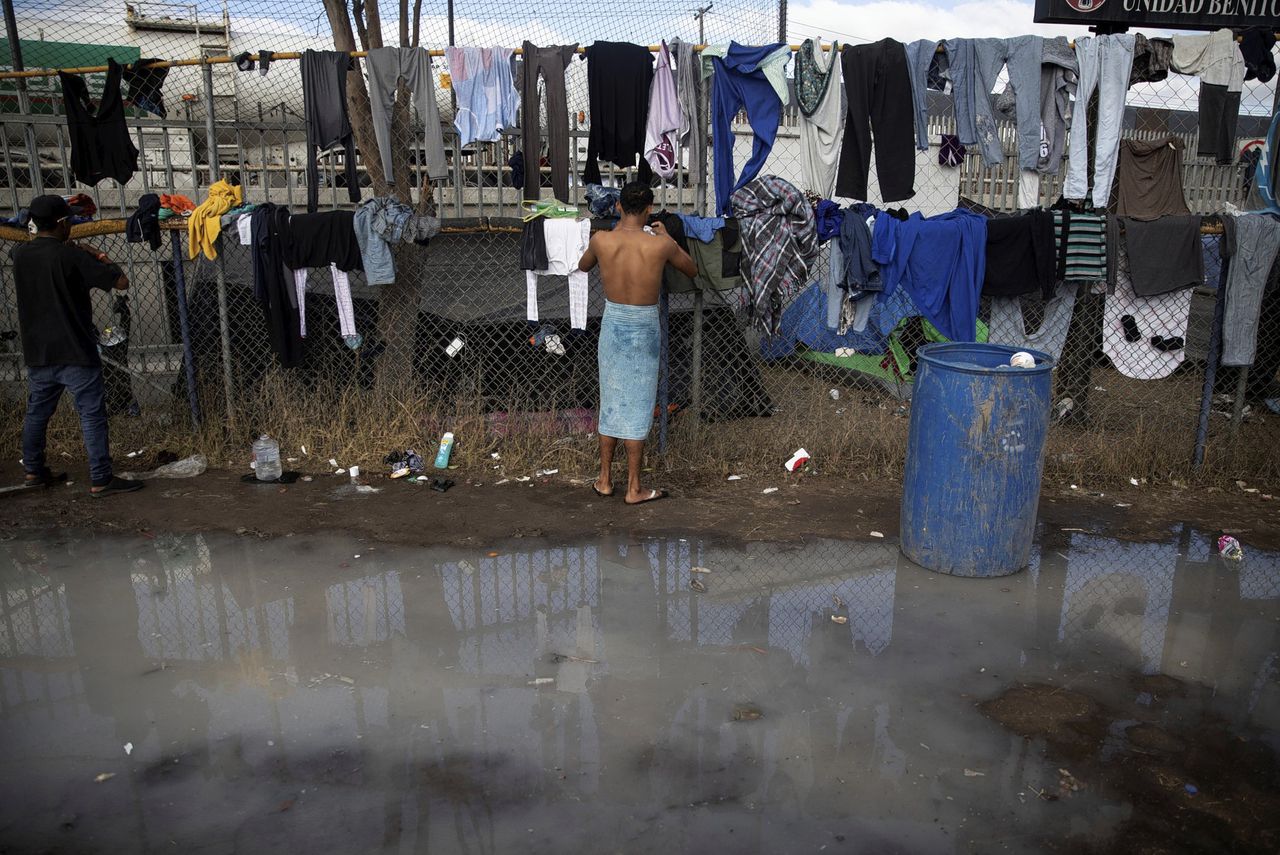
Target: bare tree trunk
398	302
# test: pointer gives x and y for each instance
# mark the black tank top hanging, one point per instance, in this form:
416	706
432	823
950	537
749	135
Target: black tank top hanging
100	143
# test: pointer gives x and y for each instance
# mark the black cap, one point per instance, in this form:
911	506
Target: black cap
49	209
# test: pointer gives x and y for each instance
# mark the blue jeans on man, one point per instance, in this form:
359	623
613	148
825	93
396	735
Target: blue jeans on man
45	385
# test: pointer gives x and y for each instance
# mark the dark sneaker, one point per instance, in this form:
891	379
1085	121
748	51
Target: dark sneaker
115	485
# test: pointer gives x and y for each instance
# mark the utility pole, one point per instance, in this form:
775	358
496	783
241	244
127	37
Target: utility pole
699	15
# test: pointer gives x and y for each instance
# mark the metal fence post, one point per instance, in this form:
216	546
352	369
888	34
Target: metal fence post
1211	361
184	325
224	321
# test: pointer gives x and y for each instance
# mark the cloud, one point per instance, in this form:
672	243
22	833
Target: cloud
907	21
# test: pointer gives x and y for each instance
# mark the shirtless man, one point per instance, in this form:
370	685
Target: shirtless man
631	261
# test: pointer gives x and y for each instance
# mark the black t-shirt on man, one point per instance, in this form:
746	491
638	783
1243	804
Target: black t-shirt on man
53	281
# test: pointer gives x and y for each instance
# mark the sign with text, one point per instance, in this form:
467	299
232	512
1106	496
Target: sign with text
1174	14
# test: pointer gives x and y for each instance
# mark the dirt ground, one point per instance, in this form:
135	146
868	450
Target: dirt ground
478	512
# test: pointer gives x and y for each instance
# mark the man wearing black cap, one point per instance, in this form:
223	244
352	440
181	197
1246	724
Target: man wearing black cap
60	343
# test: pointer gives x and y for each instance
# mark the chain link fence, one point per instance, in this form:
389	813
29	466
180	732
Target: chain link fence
448	346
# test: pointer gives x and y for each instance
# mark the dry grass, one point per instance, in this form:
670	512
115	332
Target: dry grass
1134	434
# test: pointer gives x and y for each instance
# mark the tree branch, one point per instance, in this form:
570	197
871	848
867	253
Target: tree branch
357	12
417	22
373	18
404	24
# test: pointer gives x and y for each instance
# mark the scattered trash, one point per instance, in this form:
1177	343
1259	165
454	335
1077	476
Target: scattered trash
446	449
307	478
734	478
304	451
800	458
768	490
1068	783
365	488
1022	359
835	599
970	773
877	534
1123	505
103	776
495	455
565	657
442	485
128	748
333	462
746	712
402	463
354	472
541	472
454	347
1230	549
542	681
840	619
503	481
1191	789
699	570
187	467
835	394
339	472
1133	481
521	479
696	584
137	453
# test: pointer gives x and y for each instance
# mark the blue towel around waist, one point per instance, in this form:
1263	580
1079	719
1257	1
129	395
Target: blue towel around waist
628	353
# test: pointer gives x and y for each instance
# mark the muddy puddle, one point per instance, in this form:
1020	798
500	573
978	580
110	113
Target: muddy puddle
219	694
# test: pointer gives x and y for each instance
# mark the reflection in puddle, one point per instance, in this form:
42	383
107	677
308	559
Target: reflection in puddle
584	697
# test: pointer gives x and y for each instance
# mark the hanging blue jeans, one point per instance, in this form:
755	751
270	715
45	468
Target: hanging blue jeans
740	84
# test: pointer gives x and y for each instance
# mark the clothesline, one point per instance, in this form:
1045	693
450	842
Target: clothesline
223	60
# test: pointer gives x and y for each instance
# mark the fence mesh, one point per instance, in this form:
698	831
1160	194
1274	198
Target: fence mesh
737	399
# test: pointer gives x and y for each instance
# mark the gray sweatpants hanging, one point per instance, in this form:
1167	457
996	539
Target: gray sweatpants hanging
386	66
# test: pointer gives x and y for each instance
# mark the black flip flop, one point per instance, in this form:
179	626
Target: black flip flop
117	485
654	495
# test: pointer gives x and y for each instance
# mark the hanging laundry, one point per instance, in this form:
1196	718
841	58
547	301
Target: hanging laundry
975	106
619	77
533	245
144	81
819	89
1151	60
549	63
264	61
940	261
144	223
951	152
566	241
244	61
743	82
878	91
1082	247
278	295
1164	255
1256	47
828	216
1131	323
1059	75
100	143
341	296
921	55
324	106
1105	64
1149	179
778	243
1021	256
317	240
774	66
1008	322
693	110
701	228
664	118
1217	60
719	261
603	201
205	223
177	203
1256	245
485	91
380	222
387	67
859	271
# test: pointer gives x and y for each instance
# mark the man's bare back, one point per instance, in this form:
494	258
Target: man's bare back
631	261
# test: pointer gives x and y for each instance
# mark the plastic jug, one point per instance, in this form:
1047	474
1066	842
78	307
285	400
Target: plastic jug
266	458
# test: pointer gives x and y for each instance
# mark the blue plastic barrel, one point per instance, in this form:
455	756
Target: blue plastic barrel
975	455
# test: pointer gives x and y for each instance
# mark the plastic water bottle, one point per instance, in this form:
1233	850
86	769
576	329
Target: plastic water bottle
446	448
266	457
